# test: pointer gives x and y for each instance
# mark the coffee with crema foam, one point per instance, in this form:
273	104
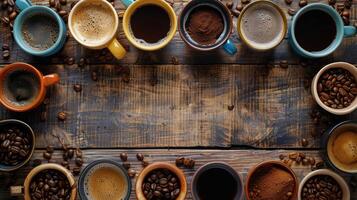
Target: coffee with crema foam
105	182
262	26
93	23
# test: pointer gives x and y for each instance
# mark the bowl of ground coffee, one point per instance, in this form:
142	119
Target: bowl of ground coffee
271	180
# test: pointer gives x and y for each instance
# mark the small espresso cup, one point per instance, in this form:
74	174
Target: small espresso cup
210	7
104	179
38	30
340	144
25	190
341	31
262	25
143	13
94	24
314	88
23	87
217	179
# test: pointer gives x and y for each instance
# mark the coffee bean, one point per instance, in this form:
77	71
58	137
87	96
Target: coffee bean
179	161
5	47
235	12
230	107
47	155
79	153
63	2
304	142
62	116
123	157
229	4
140	156
49	149
288	1
11	3
82	62
77	87
245	1
76	171
284	64
79	162
52	3
4	4
174	60
126	165
63	13
332	2
70	61
131	173
13	15
70	153
291	12
6	54
239	7
302	3
189	163
348	4
94	76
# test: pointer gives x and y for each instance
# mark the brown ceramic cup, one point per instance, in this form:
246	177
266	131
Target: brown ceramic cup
43	83
161	165
266	165
25	189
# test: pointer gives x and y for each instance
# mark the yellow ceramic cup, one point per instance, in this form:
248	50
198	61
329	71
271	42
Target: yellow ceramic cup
96	31
131	8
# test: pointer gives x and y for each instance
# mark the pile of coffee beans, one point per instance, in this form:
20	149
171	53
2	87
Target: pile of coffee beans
50	184
11	12
337	88
15	146
321	187
161	184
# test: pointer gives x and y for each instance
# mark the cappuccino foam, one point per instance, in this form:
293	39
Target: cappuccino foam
93	23
262	25
105	182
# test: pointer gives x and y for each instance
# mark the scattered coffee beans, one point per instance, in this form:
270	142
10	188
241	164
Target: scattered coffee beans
321	187
15	146
50	184
337	88
161	184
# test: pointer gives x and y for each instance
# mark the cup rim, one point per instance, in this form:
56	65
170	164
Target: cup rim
17	30
50	166
15	67
161	165
338	179
344	65
32	135
325	142
165	6
253	170
282	14
105	42
221	165
337	40
94	163
183	13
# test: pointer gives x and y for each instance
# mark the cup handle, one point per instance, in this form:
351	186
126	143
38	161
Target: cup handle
127	3
229	47
23	4
50	79
117	49
16	191
349	31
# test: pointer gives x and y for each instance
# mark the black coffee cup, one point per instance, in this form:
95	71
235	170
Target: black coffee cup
105	173
222	40
217	180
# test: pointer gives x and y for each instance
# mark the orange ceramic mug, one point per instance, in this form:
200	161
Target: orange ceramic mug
23	87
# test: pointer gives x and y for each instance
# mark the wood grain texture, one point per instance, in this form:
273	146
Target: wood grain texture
177	48
240	160
182	106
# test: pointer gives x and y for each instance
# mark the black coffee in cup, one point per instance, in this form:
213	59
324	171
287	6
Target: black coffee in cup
21	87
150	24
315	30
216	183
40	31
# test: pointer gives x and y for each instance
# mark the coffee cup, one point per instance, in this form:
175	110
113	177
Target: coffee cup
262	25
38	30
149	24
25	133
23	87
206	25
217	180
104	179
317	30
94	24
340	144
30	189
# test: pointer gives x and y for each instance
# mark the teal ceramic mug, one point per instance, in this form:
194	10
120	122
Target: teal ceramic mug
341	31
39	30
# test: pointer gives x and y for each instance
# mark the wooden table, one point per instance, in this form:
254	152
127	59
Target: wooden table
210	106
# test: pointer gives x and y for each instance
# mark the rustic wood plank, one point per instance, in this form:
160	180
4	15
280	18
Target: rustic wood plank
240	160
178	49
262	106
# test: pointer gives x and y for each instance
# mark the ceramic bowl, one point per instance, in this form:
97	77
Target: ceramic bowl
269	164
217	165
27	130
352	69
161	165
338	178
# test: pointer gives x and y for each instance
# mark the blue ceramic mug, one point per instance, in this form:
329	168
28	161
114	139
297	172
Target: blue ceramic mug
341	31
28	10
